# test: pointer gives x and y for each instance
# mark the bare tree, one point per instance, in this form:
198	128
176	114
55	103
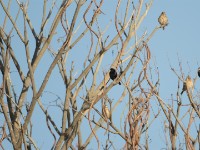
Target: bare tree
81	49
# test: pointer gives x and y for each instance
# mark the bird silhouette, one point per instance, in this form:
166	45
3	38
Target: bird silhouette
198	72
187	84
113	74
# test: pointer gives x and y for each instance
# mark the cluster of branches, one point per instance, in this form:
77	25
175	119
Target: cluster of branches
17	125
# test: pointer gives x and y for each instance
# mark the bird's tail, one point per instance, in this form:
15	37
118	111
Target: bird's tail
182	92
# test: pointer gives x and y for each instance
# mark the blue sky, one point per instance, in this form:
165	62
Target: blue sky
180	40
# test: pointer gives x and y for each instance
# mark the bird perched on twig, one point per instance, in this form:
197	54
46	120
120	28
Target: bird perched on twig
113	74
107	115
198	72
187	84
106	112
163	20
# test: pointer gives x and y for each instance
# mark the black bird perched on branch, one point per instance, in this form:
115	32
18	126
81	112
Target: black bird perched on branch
113	74
199	72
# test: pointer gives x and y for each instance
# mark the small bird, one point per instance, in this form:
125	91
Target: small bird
106	112
163	20
113	74
199	72
107	116
187	84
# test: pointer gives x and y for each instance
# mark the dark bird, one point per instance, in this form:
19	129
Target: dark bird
113	74
199	72
187	84
163	20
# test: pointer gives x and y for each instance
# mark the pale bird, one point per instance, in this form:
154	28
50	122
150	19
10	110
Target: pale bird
106	112
187	84
163	20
